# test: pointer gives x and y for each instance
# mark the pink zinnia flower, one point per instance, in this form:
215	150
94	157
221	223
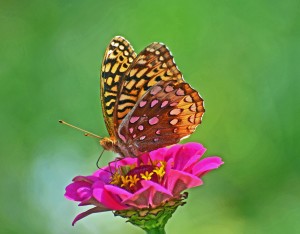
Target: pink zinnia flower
151	181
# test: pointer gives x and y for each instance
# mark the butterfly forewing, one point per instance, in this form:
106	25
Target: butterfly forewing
117	59
153	64
168	112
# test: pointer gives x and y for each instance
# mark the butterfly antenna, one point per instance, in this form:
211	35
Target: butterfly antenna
86	133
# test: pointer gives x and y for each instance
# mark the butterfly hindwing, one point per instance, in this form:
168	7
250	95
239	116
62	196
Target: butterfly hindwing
153	64
168	112
117	59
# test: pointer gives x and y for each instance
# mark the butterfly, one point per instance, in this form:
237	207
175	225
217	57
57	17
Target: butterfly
146	103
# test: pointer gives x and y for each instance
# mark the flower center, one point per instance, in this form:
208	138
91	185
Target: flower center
131	180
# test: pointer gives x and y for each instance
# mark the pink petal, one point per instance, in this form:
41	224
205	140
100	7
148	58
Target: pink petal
194	148
179	181
78	191
88	212
88	179
183	153
189	165
158	154
206	165
155	155
124	162
172	152
106	198
103	174
169	165
151	194
122	193
143	159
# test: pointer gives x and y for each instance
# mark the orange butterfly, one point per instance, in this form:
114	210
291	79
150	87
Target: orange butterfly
146	103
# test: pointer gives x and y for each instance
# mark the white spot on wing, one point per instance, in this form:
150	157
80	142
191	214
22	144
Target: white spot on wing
133	119
122	137
169	88
142	103
154	102
175	111
193	107
164	103
174	121
141	127
155	90
153	121
180	92
188	99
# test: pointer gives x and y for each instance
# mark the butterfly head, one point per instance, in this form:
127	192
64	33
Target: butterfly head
124	150
107	143
110	144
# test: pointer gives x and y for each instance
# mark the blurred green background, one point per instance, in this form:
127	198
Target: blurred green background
242	56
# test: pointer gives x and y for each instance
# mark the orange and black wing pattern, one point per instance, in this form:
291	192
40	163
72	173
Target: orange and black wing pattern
154	64
117	59
146	102
168	112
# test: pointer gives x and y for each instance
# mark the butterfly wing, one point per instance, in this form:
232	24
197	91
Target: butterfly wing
117	59
153	64
168	112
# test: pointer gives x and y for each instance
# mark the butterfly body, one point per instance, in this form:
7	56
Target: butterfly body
145	101
119	147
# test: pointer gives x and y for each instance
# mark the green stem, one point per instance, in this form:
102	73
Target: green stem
157	230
